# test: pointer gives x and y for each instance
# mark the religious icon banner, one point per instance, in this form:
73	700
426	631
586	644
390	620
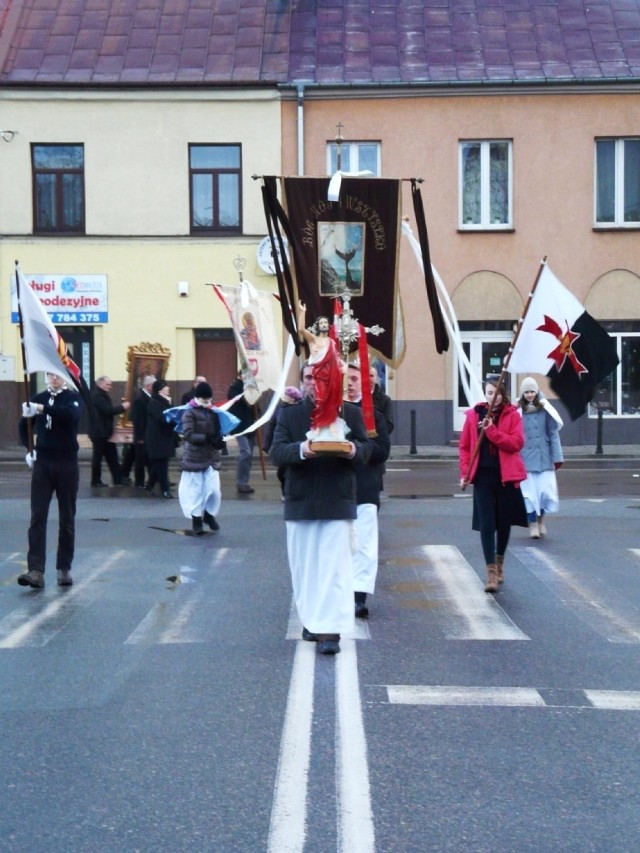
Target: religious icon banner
351	244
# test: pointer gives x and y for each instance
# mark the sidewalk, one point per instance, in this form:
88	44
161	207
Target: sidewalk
423	453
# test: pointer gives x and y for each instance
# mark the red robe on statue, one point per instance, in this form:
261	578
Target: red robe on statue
328	387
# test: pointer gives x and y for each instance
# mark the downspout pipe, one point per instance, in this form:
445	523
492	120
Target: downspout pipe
300	88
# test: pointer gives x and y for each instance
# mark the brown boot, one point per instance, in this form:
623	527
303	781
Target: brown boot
492	578
500	567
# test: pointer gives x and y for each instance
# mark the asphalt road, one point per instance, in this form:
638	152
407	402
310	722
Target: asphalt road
143	714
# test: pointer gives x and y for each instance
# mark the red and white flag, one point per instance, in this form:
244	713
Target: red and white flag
44	348
562	341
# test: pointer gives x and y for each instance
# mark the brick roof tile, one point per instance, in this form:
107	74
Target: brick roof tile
324	41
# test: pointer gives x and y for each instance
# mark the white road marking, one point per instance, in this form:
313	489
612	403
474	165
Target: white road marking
287	830
39	629
355	817
402	694
479	616
294	628
614	700
608	623
509	697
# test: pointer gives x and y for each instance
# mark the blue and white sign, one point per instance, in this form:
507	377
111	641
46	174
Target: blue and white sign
68	299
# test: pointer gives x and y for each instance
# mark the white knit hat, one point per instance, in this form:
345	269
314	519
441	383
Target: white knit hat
528	384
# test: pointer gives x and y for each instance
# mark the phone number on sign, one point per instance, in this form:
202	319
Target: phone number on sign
61	317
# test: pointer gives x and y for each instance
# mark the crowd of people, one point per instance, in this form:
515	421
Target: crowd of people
330	490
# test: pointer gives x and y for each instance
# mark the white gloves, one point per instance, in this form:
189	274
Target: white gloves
30	458
29	410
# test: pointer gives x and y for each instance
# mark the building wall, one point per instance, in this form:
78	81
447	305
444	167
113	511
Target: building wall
137	216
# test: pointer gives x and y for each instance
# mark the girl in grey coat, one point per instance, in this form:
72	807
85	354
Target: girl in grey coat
542	455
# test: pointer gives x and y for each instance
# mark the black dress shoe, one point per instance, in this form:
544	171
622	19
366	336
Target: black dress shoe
362	611
167	495
328	647
98	484
245	489
308	636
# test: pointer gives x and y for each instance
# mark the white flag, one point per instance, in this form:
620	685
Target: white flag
251	315
44	349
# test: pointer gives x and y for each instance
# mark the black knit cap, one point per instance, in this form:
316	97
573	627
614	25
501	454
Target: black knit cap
203	391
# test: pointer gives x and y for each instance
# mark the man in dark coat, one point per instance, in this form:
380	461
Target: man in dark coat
104	412
245	413
56	415
319	509
369	486
138	418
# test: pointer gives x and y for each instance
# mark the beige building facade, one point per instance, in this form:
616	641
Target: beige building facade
137	239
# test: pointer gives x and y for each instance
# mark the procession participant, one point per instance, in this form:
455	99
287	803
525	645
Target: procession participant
496	472
159	438
319	509
199	490
542	455
190	394
138	457
246	443
369	485
381	401
102	430
56	413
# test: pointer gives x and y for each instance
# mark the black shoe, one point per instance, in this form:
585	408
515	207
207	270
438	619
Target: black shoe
211	521
140	486
245	489
32	578
64	577
167	495
98	484
308	636
196	525
329	645
362	611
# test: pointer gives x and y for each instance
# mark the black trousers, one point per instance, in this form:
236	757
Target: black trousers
159	473
49	477
135	457
107	450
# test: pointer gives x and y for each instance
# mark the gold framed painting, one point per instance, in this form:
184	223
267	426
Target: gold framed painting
143	359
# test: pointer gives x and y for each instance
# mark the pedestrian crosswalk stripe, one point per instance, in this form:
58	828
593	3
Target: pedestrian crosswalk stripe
473	615
402	694
508	697
610	624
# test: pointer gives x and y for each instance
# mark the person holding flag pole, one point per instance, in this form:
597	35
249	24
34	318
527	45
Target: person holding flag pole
495	466
53	457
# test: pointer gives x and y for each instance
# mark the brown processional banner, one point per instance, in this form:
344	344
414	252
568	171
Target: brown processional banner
352	244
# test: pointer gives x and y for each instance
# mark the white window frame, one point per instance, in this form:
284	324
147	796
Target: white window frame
618	200
485	223
354	155
618	414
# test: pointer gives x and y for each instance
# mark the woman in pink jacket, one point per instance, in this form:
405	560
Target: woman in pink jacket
496	471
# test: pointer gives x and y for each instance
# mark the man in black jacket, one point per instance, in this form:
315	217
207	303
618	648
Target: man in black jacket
101	431
369	480
319	509
55	415
138	417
